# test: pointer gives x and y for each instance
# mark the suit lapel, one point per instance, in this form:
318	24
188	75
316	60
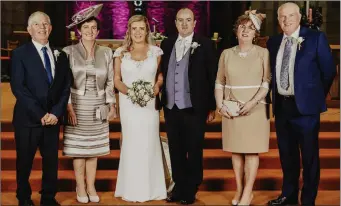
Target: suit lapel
55	66
300	51
37	61
191	56
168	51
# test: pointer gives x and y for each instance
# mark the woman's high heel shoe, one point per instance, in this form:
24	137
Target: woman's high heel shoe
94	198
234	202
80	199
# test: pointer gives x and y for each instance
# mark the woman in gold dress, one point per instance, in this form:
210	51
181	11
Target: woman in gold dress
241	87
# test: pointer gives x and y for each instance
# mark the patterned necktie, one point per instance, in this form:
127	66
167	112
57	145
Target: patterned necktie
284	77
47	64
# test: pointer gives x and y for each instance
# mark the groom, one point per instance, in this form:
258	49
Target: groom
189	67
303	71
40	82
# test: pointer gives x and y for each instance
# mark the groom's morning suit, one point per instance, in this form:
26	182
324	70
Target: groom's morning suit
38	92
187	98
298	105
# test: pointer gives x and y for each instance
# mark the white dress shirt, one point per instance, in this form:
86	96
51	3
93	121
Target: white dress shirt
290	90
182	45
39	47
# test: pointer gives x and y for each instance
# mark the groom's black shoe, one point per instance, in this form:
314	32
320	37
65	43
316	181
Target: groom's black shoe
188	201
281	201
27	202
49	202
173	198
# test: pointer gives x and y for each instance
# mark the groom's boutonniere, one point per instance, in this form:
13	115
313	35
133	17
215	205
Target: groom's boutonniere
56	53
194	45
299	42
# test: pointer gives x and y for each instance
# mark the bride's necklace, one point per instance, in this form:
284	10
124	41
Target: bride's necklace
244	54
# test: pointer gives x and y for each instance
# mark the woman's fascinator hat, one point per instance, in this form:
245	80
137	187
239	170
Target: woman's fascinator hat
256	18
85	14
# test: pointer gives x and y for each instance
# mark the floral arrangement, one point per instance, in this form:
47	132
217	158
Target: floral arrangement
141	92
158	36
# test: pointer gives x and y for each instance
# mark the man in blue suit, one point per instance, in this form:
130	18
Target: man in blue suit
302	73
40	82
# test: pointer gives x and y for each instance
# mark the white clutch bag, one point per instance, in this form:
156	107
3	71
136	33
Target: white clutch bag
102	112
232	107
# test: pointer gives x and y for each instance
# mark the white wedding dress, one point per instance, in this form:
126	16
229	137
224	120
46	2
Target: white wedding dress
141	173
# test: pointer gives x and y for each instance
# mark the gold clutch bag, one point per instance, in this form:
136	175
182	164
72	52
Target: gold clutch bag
232	107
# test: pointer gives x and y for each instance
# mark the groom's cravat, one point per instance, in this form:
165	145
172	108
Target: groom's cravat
284	75
180	53
47	64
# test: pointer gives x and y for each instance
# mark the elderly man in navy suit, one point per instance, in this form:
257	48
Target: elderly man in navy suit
40	82
302	71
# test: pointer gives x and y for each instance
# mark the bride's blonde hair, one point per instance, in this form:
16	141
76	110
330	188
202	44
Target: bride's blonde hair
128	42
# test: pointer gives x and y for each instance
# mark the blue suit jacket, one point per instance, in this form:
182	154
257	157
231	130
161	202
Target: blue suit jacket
29	84
313	73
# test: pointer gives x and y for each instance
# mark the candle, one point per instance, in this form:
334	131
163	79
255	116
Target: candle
72	35
307	8
154	28
215	35
310	17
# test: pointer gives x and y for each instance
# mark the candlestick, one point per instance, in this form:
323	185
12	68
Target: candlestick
310	17
72	35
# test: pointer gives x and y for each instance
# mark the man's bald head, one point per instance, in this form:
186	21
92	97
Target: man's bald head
185	22
289	17
289	5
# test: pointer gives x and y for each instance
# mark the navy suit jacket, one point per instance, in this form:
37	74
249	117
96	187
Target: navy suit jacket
313	73
29	83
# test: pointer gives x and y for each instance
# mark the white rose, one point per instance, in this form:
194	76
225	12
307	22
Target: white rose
139	87
131	93
146	98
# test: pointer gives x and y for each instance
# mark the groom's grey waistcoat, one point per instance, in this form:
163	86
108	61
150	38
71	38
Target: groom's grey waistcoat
177	86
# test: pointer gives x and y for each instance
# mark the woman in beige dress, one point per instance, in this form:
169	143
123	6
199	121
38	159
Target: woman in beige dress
91	104
243	78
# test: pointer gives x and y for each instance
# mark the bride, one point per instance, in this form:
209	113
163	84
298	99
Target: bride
141	173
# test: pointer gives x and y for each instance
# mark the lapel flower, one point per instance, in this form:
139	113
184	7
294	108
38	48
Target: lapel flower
56	53
299	41
194	45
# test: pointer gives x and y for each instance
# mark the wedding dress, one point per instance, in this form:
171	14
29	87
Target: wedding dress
141	174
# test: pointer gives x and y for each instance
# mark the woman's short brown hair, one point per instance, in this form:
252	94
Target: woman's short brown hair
243	19
79	26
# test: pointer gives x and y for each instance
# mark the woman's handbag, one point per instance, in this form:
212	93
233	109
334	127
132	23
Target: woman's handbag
232	107
102	112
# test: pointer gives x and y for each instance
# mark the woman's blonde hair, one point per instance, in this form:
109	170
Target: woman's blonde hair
127	43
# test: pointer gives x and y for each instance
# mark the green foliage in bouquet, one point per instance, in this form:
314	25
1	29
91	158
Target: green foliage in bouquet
141	92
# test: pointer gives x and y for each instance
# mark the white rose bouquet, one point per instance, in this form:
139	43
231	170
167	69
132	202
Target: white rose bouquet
141	92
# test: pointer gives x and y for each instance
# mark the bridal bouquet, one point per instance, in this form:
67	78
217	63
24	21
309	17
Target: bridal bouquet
141	92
